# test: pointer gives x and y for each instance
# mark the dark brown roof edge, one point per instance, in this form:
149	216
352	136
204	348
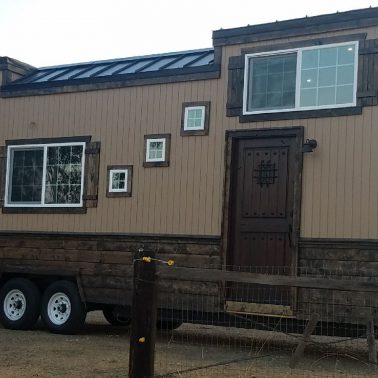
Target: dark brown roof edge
301	26
70	86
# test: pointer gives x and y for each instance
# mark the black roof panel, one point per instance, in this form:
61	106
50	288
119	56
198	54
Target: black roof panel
110	68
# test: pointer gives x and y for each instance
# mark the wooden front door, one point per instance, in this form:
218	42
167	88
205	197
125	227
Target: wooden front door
264	212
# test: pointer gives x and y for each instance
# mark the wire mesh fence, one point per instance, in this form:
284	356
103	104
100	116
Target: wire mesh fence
233	322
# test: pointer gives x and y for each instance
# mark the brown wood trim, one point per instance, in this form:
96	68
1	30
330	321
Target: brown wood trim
205	130
153	164
266	133
75	85
91	174
101	236
16	142
367	94
44	210
306	43
355	19
337	112
368	50
338	243
129	169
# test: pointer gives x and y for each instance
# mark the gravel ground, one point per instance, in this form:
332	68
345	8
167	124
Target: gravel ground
101	350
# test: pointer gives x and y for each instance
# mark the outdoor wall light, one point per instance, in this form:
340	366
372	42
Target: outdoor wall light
309	145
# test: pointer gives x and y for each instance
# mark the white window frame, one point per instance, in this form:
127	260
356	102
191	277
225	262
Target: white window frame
154	160
202	126
44	147
111	189
299	51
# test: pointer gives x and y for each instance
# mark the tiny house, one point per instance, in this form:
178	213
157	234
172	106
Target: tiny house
258	152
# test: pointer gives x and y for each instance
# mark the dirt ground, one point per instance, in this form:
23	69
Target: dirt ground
101	350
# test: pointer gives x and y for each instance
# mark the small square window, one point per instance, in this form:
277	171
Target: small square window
195	118
119	180
156	150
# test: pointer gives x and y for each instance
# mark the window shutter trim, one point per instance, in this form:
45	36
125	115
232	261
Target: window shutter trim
234	106
91	178
3	169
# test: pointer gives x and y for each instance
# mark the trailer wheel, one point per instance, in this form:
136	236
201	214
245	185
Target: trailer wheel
114	319
20	302
62	310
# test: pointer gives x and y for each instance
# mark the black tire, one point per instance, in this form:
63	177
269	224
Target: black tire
62	310
20	301
168	325
114	319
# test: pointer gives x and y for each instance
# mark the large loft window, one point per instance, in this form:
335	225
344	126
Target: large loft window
301	79
45	175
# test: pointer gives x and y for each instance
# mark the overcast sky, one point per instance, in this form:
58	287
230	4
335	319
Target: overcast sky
52	32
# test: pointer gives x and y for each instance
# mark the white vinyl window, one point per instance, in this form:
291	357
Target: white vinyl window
194	118
118	180
48	175
155	151
301	79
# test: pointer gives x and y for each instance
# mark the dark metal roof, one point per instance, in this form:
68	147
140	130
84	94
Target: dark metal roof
151	64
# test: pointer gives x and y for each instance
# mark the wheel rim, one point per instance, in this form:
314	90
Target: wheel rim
59	308
14	305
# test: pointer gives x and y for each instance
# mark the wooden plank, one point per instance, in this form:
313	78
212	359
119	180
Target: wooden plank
301	114
335	313
213	275
169	287
161	246
64	267
91	179
310	327
258	308
191	302
3	159
370	334
121	297
339	268
339	254
235	85
112	257
338	297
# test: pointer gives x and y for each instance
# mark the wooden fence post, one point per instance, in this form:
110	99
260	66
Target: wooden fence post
370	334
143	331
310	327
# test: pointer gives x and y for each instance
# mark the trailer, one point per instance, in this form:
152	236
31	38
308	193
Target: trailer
257	153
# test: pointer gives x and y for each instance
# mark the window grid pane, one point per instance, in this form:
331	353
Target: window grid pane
155	150
118	181
195	118
272	82
63	174
328	71
26	176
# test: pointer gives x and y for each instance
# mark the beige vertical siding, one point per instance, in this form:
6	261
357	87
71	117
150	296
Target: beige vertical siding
340	179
